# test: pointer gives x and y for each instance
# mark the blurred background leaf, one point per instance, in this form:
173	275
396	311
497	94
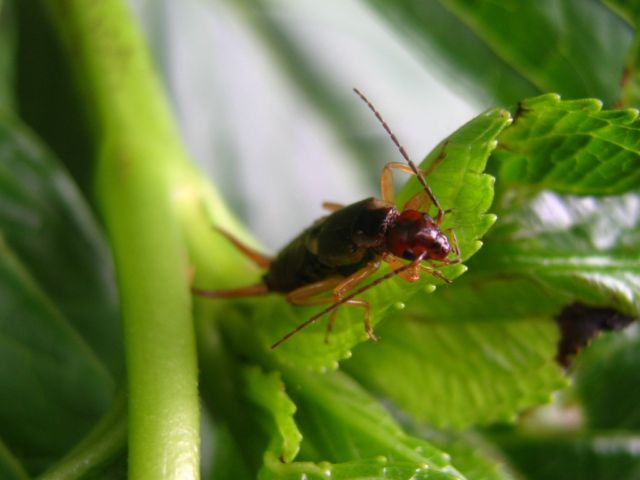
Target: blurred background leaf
59	323
46	221
514	50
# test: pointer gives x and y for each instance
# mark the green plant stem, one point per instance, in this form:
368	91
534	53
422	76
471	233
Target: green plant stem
140	160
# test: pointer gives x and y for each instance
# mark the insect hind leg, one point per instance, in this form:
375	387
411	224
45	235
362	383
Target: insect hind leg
339	287
256	257
332	206
354	302
250	291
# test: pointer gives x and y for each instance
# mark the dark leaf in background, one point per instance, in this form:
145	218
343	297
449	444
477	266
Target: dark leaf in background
589	456
608	382
513	50
46	96
53	385
46	222
59	323
7	54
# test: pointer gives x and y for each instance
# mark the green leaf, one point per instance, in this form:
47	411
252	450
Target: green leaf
584	248
62	344
431	29
101	451
51	229
45	93
267	390
471	454
588	456
477	352
10	467
459	184
630	83
7	47
627	9
53	385
226	458
352	435
241	433
570	147
605	401
369	469
608	374
516	49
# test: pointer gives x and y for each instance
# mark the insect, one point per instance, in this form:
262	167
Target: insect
327	262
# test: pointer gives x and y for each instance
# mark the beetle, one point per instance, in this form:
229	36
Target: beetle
339	251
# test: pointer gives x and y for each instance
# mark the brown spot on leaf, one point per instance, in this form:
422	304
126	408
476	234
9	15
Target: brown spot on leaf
580	323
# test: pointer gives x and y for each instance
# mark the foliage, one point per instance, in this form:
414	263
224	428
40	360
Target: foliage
106	222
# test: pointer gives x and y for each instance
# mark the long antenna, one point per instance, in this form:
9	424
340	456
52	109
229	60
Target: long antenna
344	300
404	154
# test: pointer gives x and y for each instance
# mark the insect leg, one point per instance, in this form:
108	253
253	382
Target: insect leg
348	298
250	291
435	272
367	322
454	241
386	179
420	201
256	257
410	274
307	295
349	283
332	206
341	289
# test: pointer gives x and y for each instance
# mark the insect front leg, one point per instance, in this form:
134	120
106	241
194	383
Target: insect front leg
342	289
386	179
450	232
421	201
410	274
435	273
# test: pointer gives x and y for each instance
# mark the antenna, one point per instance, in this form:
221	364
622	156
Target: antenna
404	154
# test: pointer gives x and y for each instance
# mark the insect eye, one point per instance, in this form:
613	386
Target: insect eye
407	255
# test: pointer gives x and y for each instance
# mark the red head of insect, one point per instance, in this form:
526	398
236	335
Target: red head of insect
413	233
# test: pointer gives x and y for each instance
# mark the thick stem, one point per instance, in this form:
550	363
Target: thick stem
139	156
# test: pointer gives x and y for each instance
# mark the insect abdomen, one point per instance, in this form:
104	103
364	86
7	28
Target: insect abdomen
295	266
338	244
